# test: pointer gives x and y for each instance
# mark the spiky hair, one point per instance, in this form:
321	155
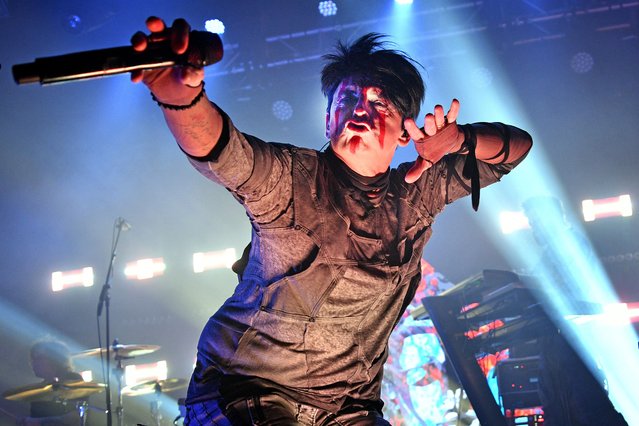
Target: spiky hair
369	62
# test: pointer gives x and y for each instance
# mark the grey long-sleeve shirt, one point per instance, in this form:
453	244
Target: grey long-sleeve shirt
327	278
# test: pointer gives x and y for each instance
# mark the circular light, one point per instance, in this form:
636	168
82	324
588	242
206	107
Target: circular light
72	23
214	26
582	62
327	8
282	110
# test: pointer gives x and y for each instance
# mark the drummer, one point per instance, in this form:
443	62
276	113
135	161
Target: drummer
51	361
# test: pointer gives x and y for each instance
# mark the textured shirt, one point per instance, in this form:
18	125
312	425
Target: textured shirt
328	275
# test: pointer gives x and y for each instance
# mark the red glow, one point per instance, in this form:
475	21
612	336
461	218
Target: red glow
484	329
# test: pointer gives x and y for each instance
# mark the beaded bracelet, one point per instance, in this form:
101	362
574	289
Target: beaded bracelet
180	107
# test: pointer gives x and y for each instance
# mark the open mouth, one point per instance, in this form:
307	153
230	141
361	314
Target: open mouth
357	127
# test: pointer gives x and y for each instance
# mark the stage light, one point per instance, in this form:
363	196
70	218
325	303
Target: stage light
282	110
404	1
87	375
61	280
609	314
607	207
214	26
214	260
144	269
481	77
582	62
510	222
73	23
327	8
140	373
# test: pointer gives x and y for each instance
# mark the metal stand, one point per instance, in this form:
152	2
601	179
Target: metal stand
119	374
155	406
105	298
82	412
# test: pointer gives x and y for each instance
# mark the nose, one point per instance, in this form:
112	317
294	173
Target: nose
360	107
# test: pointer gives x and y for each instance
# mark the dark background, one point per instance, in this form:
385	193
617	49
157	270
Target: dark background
76	156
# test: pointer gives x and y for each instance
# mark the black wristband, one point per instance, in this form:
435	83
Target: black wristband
195	100
471	170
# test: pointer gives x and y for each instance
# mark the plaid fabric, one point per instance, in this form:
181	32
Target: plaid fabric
206	413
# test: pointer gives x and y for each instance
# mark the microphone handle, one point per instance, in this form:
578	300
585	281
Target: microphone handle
82	65
205	49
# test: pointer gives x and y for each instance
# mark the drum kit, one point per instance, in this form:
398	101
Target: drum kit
78	391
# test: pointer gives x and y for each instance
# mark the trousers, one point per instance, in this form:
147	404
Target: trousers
277	410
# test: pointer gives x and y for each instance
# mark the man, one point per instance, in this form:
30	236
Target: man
337	235
51	361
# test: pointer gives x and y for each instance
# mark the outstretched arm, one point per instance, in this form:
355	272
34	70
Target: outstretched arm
441	135
195	123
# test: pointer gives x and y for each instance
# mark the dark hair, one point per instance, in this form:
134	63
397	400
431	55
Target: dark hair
369	63
56	352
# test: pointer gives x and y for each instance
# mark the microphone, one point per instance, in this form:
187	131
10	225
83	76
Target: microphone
123	224
205	48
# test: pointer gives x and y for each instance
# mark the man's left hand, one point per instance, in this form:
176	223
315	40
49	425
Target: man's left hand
439	136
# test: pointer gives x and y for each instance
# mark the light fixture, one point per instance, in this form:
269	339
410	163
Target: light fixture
139	373
606	207
220	259
144	269
582	62
327	8
62	280
214	26
282	110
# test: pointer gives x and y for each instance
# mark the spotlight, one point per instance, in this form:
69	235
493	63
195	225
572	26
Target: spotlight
73	23
213	260
140	373
582	62
214	26
404	1
282	110
327	8
144	269
510	222
482	77
61	280
606	207
87	375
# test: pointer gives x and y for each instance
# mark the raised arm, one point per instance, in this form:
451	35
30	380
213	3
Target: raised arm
194	121
441	135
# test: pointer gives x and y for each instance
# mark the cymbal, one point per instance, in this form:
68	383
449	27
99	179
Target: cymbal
50	391
119	351
166	385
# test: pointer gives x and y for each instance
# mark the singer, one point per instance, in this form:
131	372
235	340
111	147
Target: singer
337	234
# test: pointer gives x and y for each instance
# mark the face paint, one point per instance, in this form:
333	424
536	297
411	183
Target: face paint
364	128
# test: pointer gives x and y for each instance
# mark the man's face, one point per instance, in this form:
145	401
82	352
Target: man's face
43	367
364	128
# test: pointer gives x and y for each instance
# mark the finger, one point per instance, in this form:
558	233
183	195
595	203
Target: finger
136	76
139	41
453	112
417	169
414	132
155	24
180	36
430	127
440	119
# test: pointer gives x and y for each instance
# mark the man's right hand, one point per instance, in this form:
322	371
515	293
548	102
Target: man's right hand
178	85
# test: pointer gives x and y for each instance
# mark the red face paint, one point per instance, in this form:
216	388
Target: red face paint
361	121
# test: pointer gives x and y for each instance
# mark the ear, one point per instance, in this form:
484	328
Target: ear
328	127
404	139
